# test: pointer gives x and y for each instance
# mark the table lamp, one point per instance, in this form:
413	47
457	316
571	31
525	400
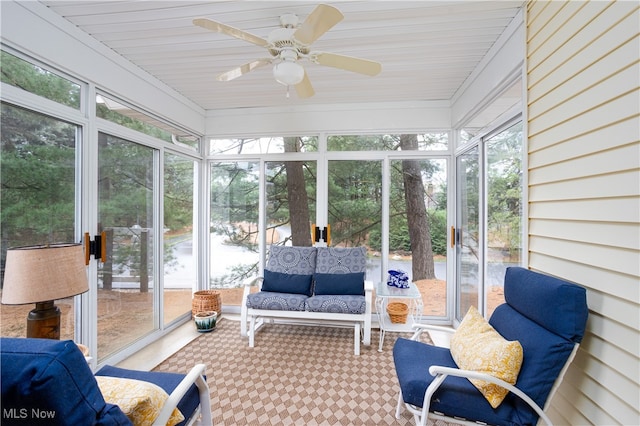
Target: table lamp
40	275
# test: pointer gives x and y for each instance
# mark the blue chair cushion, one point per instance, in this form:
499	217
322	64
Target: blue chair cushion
331	260
286	283
48	382
455	397
336	304
167	381
276	301
342	284
557	305
292	260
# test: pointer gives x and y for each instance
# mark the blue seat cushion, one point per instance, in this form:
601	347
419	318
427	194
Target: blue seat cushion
342	284
287	283
342	304
455	397
276	301
40	376
167	381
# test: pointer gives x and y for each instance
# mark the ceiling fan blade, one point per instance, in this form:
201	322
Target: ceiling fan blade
349	63
304	89
243	69
317	23
233	32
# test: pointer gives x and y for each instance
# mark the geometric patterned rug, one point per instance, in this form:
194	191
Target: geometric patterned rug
295	375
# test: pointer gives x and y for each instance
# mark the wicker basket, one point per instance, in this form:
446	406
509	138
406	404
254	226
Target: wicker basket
205	300
398	312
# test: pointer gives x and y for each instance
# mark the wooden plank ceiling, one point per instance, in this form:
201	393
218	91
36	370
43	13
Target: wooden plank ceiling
427	48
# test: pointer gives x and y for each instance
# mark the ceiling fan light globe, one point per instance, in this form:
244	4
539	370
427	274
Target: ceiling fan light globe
288	73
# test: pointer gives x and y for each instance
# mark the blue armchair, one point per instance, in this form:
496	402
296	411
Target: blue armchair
48	382
546	315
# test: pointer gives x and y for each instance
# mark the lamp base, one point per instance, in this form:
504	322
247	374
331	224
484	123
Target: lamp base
44	321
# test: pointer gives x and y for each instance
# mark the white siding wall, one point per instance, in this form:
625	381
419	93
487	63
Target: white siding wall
584	152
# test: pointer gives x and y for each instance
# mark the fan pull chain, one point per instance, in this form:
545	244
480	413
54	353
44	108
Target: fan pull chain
288	91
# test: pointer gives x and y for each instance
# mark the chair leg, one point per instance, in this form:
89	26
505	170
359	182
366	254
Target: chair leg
252	330
418	420
206	419
356	339
399	405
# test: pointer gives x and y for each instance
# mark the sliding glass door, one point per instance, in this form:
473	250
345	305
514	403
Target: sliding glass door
126	281
489	226
467	231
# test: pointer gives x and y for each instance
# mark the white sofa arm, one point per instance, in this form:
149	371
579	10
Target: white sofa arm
368	297
195	376
248	283
368	286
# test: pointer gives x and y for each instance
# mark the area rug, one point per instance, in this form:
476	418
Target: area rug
295	375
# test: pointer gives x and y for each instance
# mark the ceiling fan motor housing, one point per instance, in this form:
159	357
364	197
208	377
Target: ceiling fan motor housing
282	39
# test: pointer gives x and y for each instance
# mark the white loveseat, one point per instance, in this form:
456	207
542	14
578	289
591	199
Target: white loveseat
311	286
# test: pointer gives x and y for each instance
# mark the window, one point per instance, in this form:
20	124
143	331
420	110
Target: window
386	142
263	145
118	112
38	170
504	152
233	226
32	78
180	236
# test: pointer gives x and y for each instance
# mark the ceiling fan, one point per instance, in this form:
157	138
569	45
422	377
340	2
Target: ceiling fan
291	43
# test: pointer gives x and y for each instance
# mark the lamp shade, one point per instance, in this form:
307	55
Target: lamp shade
288	73
42	273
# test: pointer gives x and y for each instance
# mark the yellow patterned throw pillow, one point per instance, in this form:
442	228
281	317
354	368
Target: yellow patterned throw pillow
140	401
477	346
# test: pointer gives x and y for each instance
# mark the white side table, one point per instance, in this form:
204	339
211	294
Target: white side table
413	298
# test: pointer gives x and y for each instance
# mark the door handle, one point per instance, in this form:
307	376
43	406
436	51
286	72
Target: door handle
453	237
97	247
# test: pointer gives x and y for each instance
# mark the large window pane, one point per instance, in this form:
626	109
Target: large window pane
125	213
37	204
355	207
234	227
291	209
180	266
418	228
27	76
504	210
